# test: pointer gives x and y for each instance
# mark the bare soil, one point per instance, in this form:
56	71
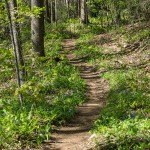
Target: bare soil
75	135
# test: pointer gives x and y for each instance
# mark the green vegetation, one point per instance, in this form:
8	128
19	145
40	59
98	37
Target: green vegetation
50	95
124	122
114	36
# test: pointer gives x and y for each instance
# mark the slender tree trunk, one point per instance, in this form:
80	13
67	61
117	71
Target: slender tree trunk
56	15
17	39
47	12
37	29
117	16
15	42
68	9
79	8
107	17
52	15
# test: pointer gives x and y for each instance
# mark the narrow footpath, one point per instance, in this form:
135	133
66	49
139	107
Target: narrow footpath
75	135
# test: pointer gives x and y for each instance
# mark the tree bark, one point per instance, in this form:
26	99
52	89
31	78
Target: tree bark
68	9
17	39
37	29
84	12
56	16
47	12
79	8
15	42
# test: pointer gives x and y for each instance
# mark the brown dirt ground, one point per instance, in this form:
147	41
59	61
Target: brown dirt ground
75	135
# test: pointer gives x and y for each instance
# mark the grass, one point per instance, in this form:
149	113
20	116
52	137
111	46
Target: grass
124	122
53	89
50	95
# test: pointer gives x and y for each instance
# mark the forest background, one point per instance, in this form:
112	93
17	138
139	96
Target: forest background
38	86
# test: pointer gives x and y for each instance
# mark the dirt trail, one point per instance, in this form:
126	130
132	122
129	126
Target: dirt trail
75	135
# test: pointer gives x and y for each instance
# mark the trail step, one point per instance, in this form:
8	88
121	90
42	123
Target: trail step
75	61
75	135
90	77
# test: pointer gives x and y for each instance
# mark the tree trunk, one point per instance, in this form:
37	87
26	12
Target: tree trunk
117	17
68	9
56	12
47	12
52	14
79	8
17	39
84	12
37	29
15	42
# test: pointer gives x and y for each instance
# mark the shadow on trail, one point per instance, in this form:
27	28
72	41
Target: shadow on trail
75	134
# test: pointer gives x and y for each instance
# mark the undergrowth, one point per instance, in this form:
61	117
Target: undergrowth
50	94
124	122
53	90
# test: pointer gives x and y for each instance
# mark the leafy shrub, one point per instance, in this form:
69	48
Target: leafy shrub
23	125
123	123
50	95
86	48
123	135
